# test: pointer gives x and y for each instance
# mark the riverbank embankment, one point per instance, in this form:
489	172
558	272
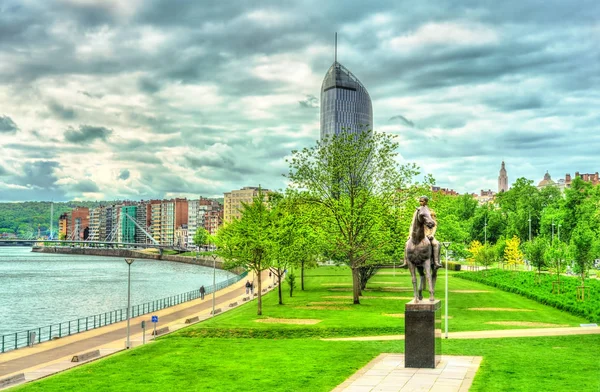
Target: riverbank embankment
206	261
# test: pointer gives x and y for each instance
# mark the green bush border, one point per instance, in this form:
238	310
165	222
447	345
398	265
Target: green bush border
525	284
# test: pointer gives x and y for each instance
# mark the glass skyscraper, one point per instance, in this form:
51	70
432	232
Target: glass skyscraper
345	103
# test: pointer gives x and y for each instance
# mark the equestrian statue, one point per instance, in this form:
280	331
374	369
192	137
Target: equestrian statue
422	251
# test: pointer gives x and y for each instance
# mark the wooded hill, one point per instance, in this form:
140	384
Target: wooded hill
24	218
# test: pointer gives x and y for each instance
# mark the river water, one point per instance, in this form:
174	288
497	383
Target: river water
38	289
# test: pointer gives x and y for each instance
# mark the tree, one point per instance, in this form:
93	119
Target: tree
580	248
474	249
486	256
512	254
535	251
201	238
555	256
291	280
352	180
245	242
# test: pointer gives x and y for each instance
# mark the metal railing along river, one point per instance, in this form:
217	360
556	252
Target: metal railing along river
30	337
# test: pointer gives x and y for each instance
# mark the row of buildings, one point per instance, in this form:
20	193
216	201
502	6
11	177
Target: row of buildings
172	222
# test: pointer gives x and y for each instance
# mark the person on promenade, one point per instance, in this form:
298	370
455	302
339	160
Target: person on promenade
202	291
252	287
247	287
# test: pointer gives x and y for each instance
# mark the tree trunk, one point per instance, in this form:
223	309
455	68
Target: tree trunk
259	288
302	275
279	287
356	286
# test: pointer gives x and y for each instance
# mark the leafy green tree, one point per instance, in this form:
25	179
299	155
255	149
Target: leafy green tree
518	204
245	242
535	251
352	180
201	238
291	281
486	256
555	256
580	248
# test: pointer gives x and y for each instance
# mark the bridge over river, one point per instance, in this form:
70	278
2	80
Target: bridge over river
88	244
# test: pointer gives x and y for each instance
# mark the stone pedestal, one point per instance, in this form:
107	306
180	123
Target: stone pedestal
422	334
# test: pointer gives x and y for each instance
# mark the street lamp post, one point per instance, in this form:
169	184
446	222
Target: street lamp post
552	230
214	256
129	262
529	226
485	230
446	246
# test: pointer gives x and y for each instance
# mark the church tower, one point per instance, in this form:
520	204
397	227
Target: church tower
502	179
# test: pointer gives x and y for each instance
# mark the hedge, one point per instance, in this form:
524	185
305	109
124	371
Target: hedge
525	283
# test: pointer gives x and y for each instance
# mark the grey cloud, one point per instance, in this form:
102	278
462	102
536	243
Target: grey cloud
3	171
61	111
311	102
87	134
147	85
403	120
124	174
164	181
90	95
516	102
7	125
39	174
83	186
218	162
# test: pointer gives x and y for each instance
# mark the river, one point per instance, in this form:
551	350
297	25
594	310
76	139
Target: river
38	289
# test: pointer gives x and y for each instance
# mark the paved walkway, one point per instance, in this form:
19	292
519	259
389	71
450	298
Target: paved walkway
498	333
55	356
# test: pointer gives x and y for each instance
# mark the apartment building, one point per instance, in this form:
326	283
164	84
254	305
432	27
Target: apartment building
206	213
78	222
233	200
62	225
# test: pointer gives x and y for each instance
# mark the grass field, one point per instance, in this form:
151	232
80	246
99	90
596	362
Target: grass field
235	352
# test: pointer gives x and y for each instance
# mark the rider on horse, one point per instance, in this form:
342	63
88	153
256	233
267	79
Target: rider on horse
430	233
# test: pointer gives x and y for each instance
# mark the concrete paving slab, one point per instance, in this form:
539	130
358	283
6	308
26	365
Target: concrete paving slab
449	376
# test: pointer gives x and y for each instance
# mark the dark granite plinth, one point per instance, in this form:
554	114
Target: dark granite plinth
422	334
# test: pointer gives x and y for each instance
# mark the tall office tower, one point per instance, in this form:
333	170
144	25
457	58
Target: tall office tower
345	102
502	179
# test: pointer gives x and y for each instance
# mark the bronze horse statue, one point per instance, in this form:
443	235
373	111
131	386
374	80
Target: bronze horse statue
418	253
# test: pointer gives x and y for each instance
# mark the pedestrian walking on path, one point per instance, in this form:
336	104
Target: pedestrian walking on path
202	291
247	287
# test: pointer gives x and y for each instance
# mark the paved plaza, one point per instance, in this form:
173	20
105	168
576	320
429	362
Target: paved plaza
387	373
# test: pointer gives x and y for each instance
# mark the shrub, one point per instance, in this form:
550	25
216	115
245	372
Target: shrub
452	266
526	284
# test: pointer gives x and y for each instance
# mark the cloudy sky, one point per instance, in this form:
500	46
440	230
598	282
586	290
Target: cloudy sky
149	99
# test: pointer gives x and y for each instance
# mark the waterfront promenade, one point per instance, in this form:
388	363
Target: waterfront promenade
54	356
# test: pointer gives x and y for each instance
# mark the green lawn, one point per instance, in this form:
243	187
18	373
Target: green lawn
234	352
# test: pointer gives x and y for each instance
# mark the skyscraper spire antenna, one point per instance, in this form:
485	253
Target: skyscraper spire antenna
335	51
